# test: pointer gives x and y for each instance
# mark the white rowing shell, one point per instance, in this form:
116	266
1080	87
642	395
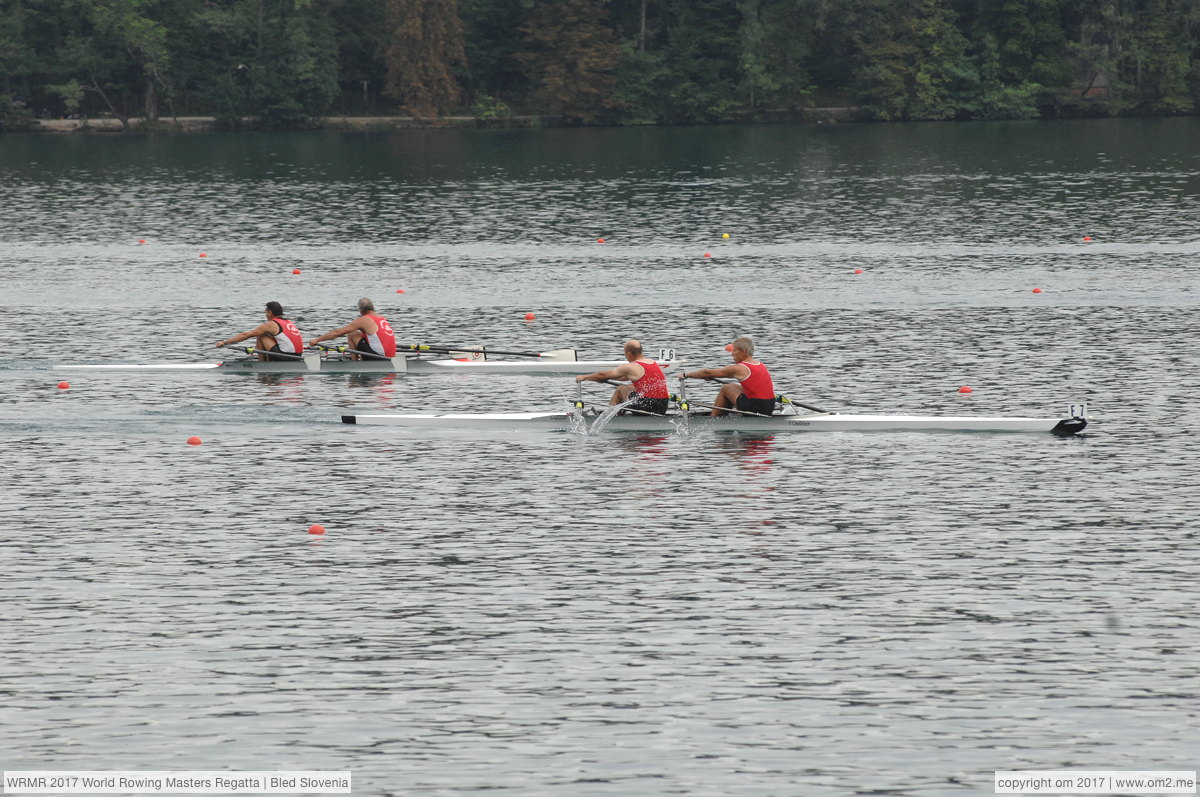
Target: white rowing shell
776	423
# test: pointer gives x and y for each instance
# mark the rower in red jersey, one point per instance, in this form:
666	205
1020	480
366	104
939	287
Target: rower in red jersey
754	391
370	333
648	388
275	336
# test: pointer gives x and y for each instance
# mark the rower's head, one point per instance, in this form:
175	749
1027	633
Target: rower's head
742	348
365	306
633	349
275	309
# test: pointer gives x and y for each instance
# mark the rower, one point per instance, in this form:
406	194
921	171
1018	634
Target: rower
277	338
370	334
754	391
648	392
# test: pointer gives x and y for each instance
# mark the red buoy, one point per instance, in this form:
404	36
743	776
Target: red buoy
530	316
193	441
965	389
63	385
599	240
295	271
708	254
203	254
399	290
141	241
316	528
858	271
1037	290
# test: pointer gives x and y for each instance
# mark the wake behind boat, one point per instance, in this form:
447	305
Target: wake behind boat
590	422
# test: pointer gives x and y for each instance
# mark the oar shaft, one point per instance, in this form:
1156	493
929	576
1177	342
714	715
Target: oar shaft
419	347
731	409
347	350
780	399
251	350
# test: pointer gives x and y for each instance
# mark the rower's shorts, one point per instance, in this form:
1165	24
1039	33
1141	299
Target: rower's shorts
287	357
657	406
759	406
364	345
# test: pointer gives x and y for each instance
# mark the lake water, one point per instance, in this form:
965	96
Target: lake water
555	614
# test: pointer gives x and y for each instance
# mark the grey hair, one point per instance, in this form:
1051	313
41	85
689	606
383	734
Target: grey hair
744	344
365	305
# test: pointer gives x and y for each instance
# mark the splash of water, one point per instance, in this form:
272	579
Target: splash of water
602	420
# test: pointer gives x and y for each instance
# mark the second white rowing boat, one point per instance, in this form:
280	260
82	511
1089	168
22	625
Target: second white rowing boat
551	364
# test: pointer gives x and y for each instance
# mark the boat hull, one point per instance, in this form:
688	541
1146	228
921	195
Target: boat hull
671	423
407	365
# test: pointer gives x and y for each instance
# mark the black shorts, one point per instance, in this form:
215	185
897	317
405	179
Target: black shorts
658	406
286	358
759	406
365	346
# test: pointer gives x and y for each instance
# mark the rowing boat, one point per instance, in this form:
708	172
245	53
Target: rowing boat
585	421
560	363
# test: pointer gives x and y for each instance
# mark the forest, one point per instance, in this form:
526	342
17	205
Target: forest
289	63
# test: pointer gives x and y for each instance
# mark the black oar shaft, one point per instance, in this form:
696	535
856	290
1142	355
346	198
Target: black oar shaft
730	409
780	399
419	347
252	350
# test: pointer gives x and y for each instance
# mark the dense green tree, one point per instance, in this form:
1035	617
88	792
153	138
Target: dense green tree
285	63
1163	59
492	40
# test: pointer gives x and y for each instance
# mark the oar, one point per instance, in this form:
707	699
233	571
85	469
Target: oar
252	350
781	399
786	400
579	399
732	409
418	347
348	350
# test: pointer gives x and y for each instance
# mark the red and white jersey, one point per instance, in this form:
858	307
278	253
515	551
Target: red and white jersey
653	383
289	338
758	385
384	340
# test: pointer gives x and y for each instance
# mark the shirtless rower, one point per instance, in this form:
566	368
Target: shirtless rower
275	336
649	386
369	333
754	391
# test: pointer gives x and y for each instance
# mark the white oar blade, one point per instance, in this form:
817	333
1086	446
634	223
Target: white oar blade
561	355
475	355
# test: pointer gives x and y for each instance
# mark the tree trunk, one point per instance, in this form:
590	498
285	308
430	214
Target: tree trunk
642	30
151	101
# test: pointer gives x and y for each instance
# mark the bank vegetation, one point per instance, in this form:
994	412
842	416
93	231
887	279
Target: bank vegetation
292	63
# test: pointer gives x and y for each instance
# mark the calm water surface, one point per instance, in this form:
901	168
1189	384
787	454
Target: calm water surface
553	614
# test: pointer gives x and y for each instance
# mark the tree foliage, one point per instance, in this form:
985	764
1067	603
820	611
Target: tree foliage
571	58
424	52
286	63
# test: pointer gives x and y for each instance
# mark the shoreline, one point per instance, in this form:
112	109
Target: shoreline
209	124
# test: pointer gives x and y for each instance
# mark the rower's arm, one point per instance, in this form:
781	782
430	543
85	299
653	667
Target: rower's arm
620	372
238	338
335	333
731	371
